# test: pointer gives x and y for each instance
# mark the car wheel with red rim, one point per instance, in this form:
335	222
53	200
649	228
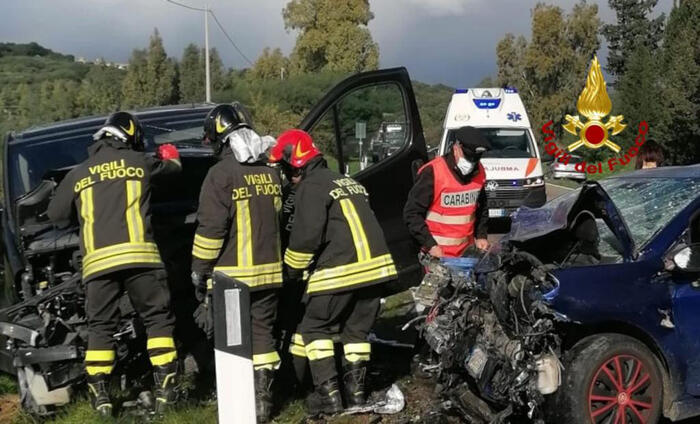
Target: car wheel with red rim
610	379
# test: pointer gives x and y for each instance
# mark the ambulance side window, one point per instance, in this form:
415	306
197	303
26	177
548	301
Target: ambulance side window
372	125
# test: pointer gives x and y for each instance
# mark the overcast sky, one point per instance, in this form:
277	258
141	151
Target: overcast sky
446	41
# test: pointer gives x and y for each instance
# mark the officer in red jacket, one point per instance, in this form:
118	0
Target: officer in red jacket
446	210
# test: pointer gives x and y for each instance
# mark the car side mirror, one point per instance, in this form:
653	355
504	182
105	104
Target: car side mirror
688	258
547	158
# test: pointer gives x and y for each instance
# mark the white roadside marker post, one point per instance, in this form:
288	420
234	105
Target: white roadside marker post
233	351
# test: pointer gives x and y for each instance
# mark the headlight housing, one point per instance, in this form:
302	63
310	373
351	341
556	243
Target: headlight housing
534	182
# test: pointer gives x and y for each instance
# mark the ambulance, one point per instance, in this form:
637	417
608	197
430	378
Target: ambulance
513	166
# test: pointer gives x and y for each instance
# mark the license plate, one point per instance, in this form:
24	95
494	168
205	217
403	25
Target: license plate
477	362
498	213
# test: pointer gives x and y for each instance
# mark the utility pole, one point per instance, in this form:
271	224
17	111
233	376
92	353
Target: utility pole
206	53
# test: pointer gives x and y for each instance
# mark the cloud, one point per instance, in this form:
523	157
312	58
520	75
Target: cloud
443	7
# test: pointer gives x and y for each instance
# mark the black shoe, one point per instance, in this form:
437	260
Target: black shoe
354	384
165	391
99	394
263	394
325	399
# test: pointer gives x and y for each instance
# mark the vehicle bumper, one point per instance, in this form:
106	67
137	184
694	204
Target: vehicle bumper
569	174
502	202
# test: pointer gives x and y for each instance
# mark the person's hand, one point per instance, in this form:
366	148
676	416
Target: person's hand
199	281
482	244
167	152
204	318
436	251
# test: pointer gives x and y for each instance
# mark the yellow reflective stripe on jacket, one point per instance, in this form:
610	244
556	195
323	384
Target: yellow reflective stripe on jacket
118	249
206	254
353	268
99	356
244	233
356	229
87	212
297	259
372	274
121	254
208	243
134	221
251	279
160	343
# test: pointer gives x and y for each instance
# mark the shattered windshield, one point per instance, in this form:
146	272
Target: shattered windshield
647	205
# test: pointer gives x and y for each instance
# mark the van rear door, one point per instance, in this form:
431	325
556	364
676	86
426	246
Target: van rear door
350	126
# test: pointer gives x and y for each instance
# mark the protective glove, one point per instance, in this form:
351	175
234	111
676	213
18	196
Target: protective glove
199	281
293	274
167	152
204	317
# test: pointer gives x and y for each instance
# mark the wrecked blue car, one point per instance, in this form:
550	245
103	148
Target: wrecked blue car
588	312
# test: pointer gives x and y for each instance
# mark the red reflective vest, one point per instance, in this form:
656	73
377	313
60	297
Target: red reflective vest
451	215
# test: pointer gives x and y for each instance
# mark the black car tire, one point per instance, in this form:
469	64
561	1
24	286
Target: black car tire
588	393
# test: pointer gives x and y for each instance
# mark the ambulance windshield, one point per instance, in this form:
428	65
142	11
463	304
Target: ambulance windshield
506	143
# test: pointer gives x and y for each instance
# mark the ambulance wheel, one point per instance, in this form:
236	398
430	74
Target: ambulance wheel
610	378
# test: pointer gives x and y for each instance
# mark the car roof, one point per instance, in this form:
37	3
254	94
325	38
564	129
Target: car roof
77	125
688	171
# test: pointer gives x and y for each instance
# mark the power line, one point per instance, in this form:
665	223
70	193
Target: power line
221	27
185	6
229	38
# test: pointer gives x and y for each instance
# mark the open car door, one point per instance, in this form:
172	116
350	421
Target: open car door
369	128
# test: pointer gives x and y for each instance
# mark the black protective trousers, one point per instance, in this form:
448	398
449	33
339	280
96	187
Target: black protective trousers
148	292
350	315
263	313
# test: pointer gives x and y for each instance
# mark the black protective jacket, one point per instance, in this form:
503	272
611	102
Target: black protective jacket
239	223
335	235
111	193
421	196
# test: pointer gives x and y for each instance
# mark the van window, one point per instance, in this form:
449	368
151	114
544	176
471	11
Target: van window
369	124
505	142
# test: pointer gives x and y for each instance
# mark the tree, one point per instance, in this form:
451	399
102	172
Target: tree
191	75
680	127
135	81
270	65
151	78
549	71
638	93
99	92
333	35
634	27
216	69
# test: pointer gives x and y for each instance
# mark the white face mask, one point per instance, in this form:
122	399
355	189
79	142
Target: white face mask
464	166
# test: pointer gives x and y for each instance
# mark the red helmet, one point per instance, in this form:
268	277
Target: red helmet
294	147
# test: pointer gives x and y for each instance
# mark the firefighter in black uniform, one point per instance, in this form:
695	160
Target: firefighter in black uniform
239	231
337	240
110	193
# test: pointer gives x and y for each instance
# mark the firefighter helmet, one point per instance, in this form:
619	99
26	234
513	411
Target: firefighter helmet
295	147
222	121
124	127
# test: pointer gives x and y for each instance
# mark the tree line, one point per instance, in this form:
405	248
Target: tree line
654	63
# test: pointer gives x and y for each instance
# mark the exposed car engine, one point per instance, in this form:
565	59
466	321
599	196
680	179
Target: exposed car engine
47	336
491	334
